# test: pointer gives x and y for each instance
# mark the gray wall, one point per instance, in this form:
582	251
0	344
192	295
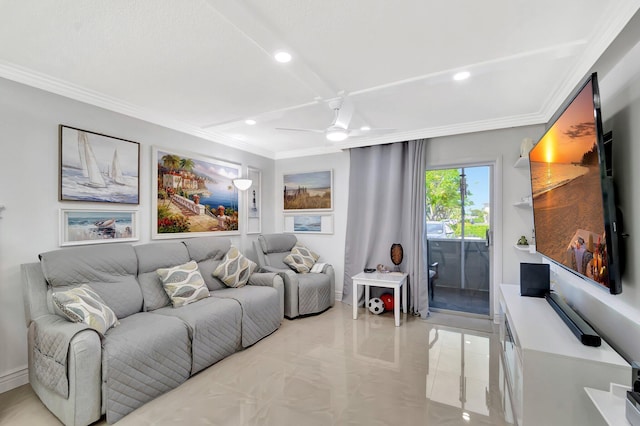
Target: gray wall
617	318
29	191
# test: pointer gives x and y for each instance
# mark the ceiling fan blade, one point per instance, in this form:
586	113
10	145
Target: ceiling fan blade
345	112
300	130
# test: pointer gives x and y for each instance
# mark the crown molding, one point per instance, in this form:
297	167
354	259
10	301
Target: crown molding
64	88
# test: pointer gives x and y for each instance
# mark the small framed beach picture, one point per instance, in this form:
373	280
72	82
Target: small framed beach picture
309	224
193	195
307	191
254	209
98	168
79	227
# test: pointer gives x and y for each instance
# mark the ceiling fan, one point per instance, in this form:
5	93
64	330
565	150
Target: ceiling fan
339	128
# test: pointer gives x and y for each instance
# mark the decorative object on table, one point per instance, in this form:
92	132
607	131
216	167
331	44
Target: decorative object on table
376	306
396	255
381	268
387	299
98	168
308	191
369	270
178	178
79	227
522	241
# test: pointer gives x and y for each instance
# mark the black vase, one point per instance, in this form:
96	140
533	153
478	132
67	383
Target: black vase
396	254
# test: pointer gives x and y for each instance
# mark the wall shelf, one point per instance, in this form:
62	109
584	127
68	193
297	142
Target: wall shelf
521	163
528	248
523	204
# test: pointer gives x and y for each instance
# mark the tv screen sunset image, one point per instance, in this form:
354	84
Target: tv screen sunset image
567	194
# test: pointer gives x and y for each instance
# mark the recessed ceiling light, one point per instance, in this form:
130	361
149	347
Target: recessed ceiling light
365	128
462	75
250	122
282	56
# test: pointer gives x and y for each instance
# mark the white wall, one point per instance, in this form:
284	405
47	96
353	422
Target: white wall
29	192
329	246
617	318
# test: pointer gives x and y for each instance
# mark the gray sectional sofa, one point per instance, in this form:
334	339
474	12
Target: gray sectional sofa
81	375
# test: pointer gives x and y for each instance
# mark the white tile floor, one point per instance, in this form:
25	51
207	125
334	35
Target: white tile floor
329	369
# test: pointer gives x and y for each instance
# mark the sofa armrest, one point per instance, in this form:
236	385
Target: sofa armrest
273	269
328	270
84	362
270	279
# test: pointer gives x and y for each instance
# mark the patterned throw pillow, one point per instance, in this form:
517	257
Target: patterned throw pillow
82	304
301	259
235	269
183	283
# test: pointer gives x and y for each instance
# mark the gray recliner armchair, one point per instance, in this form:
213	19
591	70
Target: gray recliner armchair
304	293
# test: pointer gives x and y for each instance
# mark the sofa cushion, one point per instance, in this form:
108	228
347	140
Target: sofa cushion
261	313
144	357
82	304
277	243
235	268
151	257
110	270
208	252
183	283
214	327
301	259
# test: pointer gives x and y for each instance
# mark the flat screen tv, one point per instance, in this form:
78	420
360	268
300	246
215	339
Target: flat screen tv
574	209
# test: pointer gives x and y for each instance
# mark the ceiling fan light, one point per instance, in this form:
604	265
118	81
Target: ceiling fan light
250	122
282	56
365	128
242	184
336	135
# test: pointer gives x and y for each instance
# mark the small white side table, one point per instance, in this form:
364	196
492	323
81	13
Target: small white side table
394	280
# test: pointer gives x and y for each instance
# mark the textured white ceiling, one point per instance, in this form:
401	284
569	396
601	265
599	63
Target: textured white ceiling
204	66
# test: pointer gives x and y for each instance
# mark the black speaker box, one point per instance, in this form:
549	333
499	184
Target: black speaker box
534	279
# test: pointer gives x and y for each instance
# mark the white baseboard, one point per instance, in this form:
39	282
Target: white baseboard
14	379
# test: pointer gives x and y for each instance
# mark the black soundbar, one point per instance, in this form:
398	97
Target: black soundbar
577	325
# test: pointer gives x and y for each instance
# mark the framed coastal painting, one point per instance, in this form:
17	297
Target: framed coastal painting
79	227
307	191
98	168
309	223
254	204
193	195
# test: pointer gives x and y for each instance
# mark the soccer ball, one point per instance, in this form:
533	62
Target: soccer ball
376	306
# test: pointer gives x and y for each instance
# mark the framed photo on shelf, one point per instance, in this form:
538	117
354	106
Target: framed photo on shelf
193	195
98	168
307	191
254	204
309	223
78	227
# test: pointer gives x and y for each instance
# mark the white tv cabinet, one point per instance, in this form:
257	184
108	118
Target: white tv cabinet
547	367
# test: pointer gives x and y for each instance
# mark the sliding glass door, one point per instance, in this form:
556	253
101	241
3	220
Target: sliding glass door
458	238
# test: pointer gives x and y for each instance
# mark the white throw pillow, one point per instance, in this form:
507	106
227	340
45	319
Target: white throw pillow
235	268
183	284
82	304
301	259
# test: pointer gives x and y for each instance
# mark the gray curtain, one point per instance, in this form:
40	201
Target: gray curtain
386	206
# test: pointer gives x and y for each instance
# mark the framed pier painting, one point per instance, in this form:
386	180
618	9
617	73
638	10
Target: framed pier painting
193	195
98	168
308	191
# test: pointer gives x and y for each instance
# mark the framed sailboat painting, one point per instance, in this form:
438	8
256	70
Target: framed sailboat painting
98	168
